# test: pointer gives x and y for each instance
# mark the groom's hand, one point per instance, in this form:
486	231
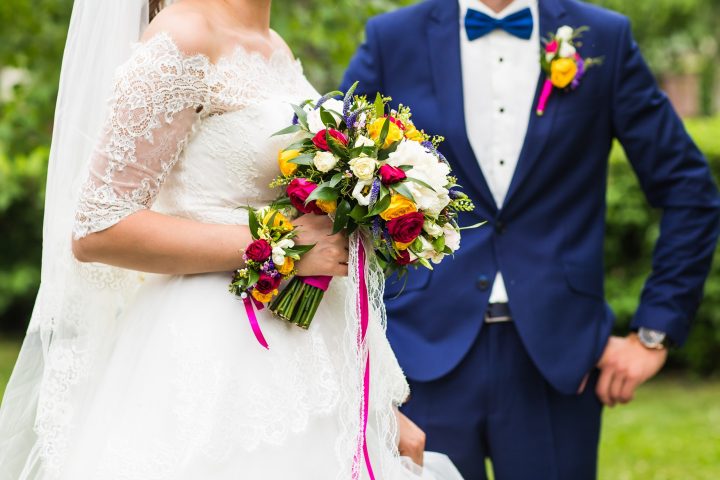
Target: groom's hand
626	364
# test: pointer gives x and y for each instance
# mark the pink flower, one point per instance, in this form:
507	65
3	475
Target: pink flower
258	251
552	47
321	142
390	174
298	191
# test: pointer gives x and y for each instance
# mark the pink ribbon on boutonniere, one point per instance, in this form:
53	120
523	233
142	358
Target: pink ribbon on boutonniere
364	310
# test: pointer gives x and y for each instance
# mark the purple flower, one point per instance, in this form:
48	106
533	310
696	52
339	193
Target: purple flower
374	191
580	73
322	100
347	103
431	148
377	229
295	119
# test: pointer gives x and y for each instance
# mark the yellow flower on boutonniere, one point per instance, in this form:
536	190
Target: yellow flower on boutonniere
562	72
399	206
412	133
395	133
279	221
263	297
327	206
286	167
287	267
402	246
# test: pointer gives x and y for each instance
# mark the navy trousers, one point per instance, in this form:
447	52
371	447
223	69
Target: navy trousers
496	404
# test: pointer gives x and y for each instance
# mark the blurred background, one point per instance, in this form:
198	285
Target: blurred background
671	431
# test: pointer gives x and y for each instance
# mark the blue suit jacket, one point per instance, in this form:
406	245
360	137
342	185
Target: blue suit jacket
548	238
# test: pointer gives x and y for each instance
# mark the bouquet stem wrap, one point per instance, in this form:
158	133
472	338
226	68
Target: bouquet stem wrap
299	301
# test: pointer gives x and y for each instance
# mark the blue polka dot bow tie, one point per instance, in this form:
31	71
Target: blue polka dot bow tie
478	24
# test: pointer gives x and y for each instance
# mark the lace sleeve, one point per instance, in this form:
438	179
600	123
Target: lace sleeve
157	100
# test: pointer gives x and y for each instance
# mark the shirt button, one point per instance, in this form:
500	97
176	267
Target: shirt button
501	59
502	162
483	283
502	109
499	227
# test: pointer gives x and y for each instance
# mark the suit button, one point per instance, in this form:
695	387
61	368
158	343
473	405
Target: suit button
483	283
499	227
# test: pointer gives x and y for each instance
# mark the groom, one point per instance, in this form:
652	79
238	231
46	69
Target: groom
508	346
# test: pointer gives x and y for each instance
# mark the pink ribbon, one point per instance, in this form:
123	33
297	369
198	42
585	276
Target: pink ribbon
364	321
248	301
544	96
320	281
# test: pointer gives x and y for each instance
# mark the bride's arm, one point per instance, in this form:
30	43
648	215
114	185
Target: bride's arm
157	101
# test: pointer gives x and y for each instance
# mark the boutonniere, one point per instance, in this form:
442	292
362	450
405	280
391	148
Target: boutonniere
562	63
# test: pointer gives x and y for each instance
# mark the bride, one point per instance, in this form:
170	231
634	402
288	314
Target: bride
157	375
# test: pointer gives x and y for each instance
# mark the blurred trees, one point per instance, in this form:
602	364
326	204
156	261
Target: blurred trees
676	36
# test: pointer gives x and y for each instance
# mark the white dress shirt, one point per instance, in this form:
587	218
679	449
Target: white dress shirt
500	74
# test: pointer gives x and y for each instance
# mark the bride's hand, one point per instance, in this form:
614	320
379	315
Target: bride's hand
330	254
412	439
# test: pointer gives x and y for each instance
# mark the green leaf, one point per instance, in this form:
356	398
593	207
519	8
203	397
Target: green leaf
358	212
253	277
473	226
420	182
341	216
322	193
358	151
439	243
384	132
403	190
287	130
424	263
380	206
379	106
337	148
327	118
253	223
302	116
337	178
298	250
405	168
304	159
384	153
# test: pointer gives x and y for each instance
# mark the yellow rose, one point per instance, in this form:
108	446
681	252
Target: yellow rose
286	267
562	72
399	206
394	132
280	221
327	206
402	246
284	157
412	133
263	297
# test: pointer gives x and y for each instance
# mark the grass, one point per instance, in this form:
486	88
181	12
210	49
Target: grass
670	432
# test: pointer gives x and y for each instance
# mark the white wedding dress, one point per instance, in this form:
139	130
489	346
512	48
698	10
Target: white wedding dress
184	391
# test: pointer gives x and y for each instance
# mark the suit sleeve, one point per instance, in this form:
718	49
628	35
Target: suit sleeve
366	65
676	179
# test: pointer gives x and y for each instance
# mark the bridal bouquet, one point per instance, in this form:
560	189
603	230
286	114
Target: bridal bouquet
269	259
367	167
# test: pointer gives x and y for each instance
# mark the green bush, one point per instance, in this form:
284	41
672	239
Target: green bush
632	229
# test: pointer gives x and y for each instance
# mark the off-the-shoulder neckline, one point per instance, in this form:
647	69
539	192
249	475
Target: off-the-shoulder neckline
238	49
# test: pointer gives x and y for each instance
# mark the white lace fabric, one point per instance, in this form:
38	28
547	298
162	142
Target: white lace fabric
190	138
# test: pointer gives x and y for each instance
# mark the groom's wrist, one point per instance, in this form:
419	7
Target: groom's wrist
652	339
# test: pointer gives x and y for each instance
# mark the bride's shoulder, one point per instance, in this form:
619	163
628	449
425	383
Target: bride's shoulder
189	28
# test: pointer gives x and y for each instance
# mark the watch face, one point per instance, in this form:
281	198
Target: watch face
651	338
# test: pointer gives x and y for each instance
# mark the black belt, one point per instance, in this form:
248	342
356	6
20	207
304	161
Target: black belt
498	313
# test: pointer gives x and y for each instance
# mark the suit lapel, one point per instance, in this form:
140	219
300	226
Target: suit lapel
539	128
444	48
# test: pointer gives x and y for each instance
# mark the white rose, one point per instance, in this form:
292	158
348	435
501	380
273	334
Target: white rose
567	50
432	229
363	141
426	166
357	194
452	237
363	167
564	33
333	106
325	161
278	256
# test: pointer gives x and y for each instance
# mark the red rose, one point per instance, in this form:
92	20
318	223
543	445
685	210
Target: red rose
267	283
391	174
258	251
320	139
298	191
403	258
406	228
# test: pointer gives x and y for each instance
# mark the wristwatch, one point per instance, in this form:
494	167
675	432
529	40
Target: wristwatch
652	339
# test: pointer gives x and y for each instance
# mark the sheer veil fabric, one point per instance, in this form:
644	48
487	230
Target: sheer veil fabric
77	304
